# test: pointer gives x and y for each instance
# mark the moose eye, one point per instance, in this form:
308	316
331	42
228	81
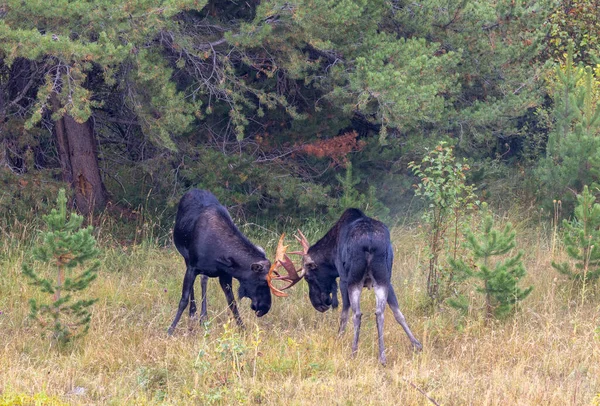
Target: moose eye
311	266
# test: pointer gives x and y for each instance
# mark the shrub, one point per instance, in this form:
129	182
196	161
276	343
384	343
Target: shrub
443	186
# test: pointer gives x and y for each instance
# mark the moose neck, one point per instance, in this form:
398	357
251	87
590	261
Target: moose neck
324	251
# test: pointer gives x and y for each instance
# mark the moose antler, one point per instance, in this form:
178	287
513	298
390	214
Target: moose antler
304	242
282	260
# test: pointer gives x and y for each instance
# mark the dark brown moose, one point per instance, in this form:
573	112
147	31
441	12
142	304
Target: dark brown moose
213	247
358	250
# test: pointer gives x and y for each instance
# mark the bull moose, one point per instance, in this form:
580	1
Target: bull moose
357	249
212	246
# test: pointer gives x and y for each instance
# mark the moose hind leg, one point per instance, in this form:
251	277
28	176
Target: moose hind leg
381	294
188	286
393	303
354	292
225	281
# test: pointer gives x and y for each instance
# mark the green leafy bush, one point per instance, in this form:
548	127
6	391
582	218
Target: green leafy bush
449	200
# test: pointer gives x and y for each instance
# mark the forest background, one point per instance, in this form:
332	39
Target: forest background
292	110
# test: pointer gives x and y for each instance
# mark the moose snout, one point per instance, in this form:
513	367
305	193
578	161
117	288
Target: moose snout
260	309
322	308
325	303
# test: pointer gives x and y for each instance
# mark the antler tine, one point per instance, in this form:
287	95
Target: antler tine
304	242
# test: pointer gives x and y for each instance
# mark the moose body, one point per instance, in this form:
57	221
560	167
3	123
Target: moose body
213	247
358	250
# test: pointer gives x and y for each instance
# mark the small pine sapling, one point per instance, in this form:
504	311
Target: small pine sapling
353	198
582	241
500	279
65	246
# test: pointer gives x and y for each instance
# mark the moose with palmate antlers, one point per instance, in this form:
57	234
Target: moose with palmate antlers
212	246
358	250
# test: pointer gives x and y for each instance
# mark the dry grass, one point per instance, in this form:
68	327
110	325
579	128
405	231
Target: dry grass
548	354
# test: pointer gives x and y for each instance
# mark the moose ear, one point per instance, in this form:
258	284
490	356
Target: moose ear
257	267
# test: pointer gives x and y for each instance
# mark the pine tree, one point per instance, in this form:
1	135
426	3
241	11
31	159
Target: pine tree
351	197
582	240
573	151
500	282
65	247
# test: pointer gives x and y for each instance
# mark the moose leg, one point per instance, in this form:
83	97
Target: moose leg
225	281
345	307
334	298
354	295
203	283
381	295
393	302
192	304
188	285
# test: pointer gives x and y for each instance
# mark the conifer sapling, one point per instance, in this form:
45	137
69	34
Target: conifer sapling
500	279
582	240
65	247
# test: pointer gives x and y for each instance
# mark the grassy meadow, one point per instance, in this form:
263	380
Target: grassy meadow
547	354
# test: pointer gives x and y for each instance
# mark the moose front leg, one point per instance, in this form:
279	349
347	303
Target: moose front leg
188	286
345	307
203	284
225	281
334	298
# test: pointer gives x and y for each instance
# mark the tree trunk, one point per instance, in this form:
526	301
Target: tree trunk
79	162
3	159
62	144
90	193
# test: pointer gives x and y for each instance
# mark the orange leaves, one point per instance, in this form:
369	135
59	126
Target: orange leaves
336	148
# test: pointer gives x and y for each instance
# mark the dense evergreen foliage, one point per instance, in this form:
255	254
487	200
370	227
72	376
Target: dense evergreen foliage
271	104
573	148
